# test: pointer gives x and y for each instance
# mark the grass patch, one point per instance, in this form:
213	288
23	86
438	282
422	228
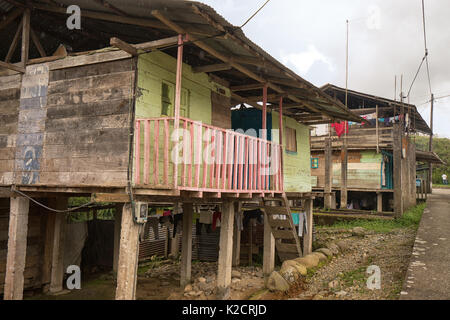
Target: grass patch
410	219
355	277
153	263
441	186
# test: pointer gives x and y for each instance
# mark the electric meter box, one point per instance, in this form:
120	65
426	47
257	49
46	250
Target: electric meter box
140	212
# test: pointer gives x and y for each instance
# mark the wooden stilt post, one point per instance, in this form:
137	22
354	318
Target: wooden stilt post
397	157
269	249
186	247
237	237
344	166
17	248
308	237
128	256
59	235
117	223
379	202
328	173
225	250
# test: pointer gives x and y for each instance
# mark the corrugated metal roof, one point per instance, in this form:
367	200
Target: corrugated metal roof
236	43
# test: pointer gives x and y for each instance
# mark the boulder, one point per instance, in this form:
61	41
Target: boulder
277	283
334	248
321	256
358	231
201	280
188	288
309	261
301	269
236	274
290	274
343	246
327	252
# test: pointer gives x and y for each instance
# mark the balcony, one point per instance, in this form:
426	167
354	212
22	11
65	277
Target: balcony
208	158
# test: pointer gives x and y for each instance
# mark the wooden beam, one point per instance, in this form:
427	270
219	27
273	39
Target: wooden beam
237	235
11	17
25	37
157	44
12	67
117	227
186	247
116	42
142	22
17	248
108	5
14	43
128	256
269	249
211	68
247	87
308	236
37	43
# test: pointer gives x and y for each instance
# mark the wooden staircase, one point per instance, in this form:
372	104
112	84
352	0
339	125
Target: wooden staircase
278	214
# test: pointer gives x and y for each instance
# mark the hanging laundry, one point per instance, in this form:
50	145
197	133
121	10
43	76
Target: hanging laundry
302	224
166	221
340	128
295	218
152	222
216	216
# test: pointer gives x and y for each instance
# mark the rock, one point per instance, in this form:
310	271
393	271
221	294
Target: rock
235	280
333	284
277	283
358	231
318	297
188	288
198	293
301	269
259	274
343	246
341	293
321	256
290	274
201	280
309	261
165	283
192	293
334	248
327	252
236	274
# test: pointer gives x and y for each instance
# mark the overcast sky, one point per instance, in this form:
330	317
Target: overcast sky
386	39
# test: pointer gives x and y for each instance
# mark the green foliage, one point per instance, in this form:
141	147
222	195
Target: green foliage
104	214
410	219
441	146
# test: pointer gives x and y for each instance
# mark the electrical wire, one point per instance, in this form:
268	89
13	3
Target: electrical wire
253	15
51	209
425	43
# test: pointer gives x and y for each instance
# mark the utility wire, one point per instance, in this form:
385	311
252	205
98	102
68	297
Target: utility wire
425	43
50	209
253	15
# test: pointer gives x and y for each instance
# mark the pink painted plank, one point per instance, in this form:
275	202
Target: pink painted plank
246	164
259	165
198	142
224	164
156	161
241	161
230	161
146	151
219	151
250	174
191	152
267	153
207	156
138	153
212	159
236	162
183	165
166	152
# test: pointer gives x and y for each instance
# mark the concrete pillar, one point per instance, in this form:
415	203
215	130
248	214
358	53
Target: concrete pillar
328	175
117	223
17	248
344	166
186	247
397	158
308	237
379	202
225	250
128	256
237	237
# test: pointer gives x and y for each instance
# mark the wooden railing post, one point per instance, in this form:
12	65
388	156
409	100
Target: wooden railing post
178	84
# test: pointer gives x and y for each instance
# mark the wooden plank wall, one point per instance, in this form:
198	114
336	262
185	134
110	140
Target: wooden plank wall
364	169
86	135
35	245
221	110
9	114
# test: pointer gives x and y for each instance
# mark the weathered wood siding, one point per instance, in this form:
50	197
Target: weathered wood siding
35	245
296	166
72	125
364	169
9	114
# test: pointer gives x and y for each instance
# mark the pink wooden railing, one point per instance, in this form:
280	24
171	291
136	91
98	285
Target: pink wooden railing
210	158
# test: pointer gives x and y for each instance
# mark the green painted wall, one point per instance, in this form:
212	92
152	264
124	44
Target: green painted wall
297	167
155	68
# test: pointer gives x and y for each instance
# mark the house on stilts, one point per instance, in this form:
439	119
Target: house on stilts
136	109
370	165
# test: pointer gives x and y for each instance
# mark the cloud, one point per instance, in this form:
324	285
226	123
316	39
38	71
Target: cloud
374	20
303	61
